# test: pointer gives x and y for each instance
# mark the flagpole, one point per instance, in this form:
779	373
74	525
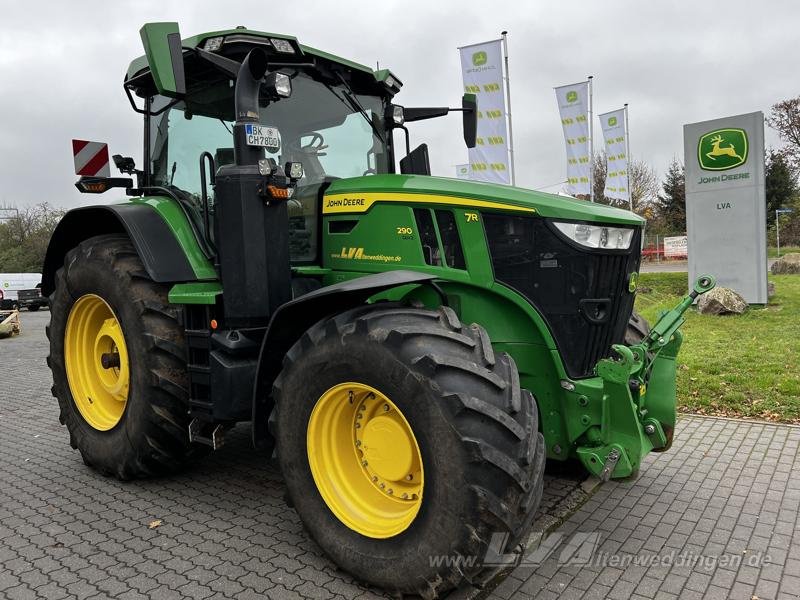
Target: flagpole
591	142
628	158
504	35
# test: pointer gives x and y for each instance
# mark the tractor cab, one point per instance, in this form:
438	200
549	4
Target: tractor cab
332	116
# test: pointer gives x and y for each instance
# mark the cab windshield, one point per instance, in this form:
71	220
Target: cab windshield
319	127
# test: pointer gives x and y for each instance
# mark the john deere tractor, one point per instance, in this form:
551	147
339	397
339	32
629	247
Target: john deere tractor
411	347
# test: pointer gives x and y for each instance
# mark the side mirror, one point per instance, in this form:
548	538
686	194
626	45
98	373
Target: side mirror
163	48
417	162
469	104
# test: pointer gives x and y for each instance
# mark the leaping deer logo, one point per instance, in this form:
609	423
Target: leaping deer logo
718	150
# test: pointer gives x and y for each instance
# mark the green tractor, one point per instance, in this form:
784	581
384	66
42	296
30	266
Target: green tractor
411	347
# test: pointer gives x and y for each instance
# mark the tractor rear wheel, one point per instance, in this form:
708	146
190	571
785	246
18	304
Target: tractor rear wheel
408	446
118	360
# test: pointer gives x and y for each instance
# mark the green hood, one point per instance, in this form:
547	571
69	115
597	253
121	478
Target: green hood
546	205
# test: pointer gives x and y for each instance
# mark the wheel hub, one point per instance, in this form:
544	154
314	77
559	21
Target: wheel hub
96	361
365	460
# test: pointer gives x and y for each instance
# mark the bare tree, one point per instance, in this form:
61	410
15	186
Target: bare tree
643	184
785	119
24	237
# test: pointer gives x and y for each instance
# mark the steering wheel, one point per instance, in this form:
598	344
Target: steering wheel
316	145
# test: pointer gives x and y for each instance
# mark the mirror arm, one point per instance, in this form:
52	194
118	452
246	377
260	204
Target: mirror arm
145	111
226	65
408	142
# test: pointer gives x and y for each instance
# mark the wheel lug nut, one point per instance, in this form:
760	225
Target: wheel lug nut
390	491
405	496
358	442
375	478
364	463
358	425
383	485
409	477
385	408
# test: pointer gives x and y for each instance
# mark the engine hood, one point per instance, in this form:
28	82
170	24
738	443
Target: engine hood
486	196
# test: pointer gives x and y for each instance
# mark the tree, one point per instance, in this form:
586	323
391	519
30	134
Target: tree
24	238
784	117
669	211
643	184
781	183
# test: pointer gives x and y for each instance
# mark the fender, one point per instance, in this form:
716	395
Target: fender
292	319
160	232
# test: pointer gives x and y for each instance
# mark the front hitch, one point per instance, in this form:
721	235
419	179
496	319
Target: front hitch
670	321
638	401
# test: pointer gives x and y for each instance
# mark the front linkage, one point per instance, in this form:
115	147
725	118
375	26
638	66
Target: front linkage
638	406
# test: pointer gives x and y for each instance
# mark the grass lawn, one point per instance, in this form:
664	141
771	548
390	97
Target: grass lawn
736	366
772	252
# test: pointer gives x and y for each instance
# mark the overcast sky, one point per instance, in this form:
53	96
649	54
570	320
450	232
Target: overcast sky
62	66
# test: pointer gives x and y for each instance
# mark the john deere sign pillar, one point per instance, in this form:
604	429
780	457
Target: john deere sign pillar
725	205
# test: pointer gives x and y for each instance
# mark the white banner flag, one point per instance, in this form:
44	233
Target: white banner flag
482	70
613	126
462	171
573	106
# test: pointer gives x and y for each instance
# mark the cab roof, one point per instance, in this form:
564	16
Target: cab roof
240	34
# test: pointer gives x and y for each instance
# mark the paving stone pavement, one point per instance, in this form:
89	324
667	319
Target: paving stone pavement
716	517
226	532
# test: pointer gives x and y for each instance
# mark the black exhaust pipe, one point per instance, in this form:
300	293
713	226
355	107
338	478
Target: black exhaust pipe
252	236
248	83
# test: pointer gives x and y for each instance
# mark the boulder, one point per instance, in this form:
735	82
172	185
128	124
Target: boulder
787	264
721	301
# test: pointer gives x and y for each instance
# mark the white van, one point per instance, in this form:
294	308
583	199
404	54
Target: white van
11	283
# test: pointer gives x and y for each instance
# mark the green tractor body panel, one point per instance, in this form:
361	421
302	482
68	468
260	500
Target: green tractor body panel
184	233
467	194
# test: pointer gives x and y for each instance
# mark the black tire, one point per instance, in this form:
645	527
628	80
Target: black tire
637	330
477	431
152	435
33	307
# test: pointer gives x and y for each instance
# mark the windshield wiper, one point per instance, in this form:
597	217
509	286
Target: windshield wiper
355	104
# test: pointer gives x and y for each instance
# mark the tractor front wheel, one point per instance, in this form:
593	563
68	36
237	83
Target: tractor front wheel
118	360
408	447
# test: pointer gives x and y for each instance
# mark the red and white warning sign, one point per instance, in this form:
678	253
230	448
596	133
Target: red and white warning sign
91	158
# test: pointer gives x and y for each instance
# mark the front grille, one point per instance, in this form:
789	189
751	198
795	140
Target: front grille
581	293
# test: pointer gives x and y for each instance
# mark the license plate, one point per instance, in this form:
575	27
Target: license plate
261	135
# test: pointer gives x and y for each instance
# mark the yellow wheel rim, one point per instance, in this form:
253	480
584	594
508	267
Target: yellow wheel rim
96	360
365	460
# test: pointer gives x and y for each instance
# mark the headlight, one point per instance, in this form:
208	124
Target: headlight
397	115
279	84
293	170
597	236
213	44
283	46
